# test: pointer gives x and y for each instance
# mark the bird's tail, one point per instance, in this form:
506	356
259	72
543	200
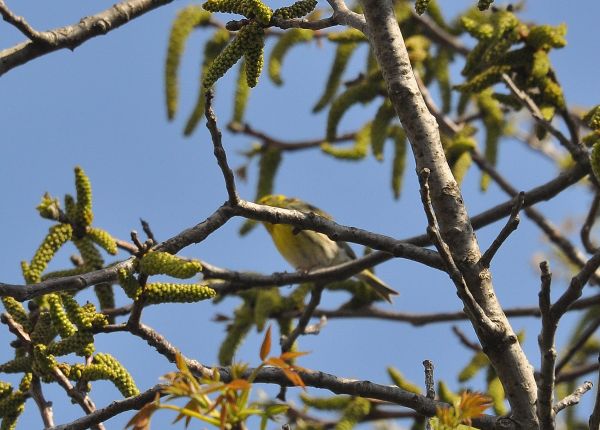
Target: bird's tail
378	285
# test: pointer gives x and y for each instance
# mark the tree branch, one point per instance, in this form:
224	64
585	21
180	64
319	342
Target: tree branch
114	409
72	36
220	154
510	226
22	25
547	351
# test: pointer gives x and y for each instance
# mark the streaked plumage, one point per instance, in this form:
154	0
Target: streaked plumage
307	250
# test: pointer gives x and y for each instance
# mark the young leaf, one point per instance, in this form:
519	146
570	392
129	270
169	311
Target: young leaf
266	345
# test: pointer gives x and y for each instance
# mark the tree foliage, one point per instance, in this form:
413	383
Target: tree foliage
452	123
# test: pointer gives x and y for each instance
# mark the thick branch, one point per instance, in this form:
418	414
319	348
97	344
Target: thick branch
456	230
114	409
71	36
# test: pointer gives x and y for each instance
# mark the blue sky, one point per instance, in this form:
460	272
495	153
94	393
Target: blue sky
102	107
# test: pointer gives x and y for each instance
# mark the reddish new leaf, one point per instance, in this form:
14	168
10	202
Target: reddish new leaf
265	348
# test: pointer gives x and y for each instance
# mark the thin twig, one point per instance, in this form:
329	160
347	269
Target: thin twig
43	405
575	150
438	34
552	232
510	226
220	154
147	230
586	228
429	386
594	421
451	268
283	145
473	346
22	25
576	286
576	346
547	351
315	299
574	398
429	381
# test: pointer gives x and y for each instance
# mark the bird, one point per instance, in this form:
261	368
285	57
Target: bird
306	250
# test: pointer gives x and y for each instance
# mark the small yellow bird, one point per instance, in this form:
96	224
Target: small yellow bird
307	249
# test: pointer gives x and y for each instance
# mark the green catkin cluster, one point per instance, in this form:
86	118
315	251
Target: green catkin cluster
248	42
399	379
187	19
268	301
106	367
83	208
242	93
92	259
296	10
43	362
478	362
70	206
528	64
103	239
254	55
362	92
162	292
44	331
334	403
435	13
347	36
269	163
60	320
12	403
290	38
484	79
236	332
493	119
106	298
421	6
496	391
353	414
441	71
547	36
155	263
259	11
80	343
355	152
399	162
16	310
361	294
270	160
57	236
252	9
226	6
342	56
49	207
129	284
446	394
418	51
16	365
595	160
379	128
458	153
211	50
592	120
